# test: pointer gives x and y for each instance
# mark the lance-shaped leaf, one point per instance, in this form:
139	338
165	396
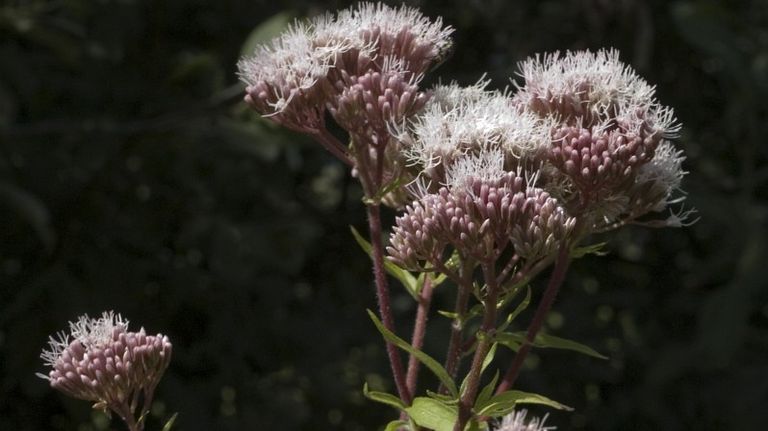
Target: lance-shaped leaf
168	425
384	398
504	403
514	340
425	359
596	249
432	414
406	278
397	425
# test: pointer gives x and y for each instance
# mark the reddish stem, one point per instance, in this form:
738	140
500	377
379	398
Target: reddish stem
333	145
419	331
453	356
487	328
382	294
555	281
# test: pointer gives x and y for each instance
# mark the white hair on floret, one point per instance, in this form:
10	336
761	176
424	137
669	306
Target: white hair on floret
460	119
607	84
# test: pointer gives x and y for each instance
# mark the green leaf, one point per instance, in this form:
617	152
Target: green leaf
384	398
519	309
405	277
389	187
266	31
433	414
473	425
170	422
425	359
547	341
596	249
445	399
436	281
486	361
487	391
397	425
489	357
504	403
449	314
511	342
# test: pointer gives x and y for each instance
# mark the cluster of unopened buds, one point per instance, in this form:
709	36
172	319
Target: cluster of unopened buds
493	186
100	360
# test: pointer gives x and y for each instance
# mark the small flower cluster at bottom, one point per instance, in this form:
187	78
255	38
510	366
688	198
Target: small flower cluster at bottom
100	360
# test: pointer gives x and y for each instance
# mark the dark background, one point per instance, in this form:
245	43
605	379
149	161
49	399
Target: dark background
132	178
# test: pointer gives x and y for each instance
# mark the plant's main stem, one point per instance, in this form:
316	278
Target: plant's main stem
419	331
484	343
555	281
382	294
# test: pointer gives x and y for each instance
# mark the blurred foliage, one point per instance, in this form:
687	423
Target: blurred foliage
132	178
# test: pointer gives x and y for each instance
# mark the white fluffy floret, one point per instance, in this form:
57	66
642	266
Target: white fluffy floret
459	120
515	421
601	75
292	63
666	170
87	331
392	20
606	86
487	166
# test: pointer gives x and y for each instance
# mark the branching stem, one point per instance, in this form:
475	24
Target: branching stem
555	281
464	282
484	342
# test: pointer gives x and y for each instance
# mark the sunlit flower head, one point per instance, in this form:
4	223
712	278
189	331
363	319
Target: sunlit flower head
480	218
591	87
381	31
457	121
99	360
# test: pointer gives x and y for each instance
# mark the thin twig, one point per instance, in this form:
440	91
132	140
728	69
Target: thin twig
419	331
333	145
555	281
484	343
464	286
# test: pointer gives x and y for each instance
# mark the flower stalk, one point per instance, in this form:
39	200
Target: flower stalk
556	280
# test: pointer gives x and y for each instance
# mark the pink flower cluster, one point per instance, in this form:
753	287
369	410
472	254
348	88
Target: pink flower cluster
105	363
364	63
479	222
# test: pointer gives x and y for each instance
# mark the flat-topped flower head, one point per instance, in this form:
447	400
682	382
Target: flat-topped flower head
479	218
363	66
610	129
582	84
458	121
403	32
285	78
99	360
288	78
516	421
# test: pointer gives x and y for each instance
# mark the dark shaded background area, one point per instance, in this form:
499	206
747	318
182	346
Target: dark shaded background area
132	178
